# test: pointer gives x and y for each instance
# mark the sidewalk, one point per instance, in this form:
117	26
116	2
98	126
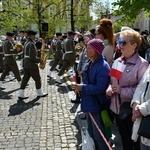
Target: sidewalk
49	123
38	124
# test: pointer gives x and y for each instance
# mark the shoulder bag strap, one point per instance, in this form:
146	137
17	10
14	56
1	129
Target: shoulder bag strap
146	88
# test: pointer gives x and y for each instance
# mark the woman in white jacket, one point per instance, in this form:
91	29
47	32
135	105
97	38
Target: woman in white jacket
141	107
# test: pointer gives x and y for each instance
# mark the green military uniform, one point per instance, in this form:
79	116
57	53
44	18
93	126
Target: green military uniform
69	55
1	58
58	54
9	59
30	65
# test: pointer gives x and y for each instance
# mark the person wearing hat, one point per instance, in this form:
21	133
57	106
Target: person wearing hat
9	59
69	57
95	83
58	53
22	39
81	64
31	68
64	37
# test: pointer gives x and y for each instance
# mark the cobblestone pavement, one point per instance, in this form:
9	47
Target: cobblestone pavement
38	124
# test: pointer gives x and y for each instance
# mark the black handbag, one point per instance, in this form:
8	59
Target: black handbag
125	110
144	129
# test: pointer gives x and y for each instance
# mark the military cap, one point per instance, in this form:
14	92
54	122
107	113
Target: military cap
10	33
21	31
64	36
58	34
71	33
31	32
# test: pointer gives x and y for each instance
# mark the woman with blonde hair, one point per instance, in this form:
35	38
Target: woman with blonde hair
122	88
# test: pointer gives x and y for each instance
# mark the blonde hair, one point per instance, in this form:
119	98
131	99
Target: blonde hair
133	35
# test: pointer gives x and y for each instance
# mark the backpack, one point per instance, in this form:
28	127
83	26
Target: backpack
147	55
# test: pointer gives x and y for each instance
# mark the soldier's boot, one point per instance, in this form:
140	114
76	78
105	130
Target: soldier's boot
11	78
1	85
11	73
40	93
58	68
58	80
49	74
69	73
21	95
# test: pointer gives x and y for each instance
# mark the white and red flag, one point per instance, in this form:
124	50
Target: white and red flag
117	69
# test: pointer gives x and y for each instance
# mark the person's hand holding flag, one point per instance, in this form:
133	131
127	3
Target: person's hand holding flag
116	72
117	69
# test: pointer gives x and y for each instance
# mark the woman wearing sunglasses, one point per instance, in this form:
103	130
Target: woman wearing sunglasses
122	89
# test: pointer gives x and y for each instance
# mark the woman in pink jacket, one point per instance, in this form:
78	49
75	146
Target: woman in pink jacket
122	89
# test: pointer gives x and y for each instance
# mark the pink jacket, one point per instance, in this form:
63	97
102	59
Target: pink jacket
134	71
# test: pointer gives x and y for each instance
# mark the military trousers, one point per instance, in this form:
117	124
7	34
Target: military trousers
11	67
35	74
65	65
55	63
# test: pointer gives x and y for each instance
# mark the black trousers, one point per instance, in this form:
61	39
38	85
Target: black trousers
78	78
34	73
1	63
125	130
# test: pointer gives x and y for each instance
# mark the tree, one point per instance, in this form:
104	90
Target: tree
83	20
21	14
117	26
130	9
100	9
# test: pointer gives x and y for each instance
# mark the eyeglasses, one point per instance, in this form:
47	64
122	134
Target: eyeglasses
122	42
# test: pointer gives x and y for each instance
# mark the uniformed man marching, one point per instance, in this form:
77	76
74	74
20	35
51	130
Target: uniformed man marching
69	57
58	53
10	59
30	65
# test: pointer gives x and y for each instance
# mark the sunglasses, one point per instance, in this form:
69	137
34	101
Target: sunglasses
123	43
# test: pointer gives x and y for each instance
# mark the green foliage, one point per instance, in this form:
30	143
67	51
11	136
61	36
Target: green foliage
117	26
130	9
20	14
82	18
